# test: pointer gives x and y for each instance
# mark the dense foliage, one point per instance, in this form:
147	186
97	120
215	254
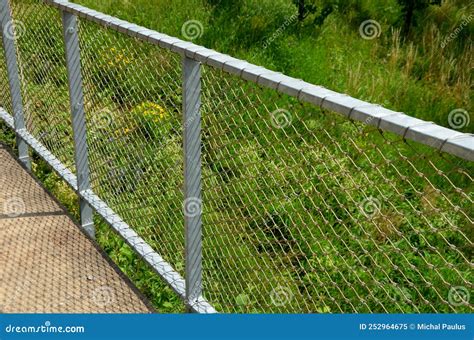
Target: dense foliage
282	205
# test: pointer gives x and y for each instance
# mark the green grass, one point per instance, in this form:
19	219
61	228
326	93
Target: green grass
282	207
417	76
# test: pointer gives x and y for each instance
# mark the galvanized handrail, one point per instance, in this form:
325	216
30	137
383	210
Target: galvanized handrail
190	290
190	287
147	253
441	138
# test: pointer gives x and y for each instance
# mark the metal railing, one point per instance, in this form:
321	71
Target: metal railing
289	208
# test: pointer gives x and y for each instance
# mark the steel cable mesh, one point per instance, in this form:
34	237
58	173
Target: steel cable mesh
306	211
5	99
303	210
44	78
133	112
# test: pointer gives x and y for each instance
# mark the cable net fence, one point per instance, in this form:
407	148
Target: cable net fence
5	100
303	209
133	113
39	41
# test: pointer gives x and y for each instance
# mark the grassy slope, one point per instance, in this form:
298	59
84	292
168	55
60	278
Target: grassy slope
332	55
418	77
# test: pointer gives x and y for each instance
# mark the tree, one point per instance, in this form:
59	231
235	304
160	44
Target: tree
412	9
304	8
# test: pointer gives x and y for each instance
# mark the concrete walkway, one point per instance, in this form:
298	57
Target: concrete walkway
47	265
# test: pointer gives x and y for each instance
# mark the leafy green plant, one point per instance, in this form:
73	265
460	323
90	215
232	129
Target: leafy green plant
267	190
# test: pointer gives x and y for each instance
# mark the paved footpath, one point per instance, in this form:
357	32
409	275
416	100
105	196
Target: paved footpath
47	264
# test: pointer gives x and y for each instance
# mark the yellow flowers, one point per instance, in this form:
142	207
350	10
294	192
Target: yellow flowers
151	111
116	58
148	119
152	120
127	130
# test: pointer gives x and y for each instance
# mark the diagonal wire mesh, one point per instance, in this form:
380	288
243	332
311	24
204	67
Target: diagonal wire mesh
5	99
133	111
306	211
44	78
303	210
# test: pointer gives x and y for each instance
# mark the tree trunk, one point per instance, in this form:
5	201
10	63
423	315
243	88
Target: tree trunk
408	17
301	10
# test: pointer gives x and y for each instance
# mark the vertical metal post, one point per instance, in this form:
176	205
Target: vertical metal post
76	98
192	178
8	38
